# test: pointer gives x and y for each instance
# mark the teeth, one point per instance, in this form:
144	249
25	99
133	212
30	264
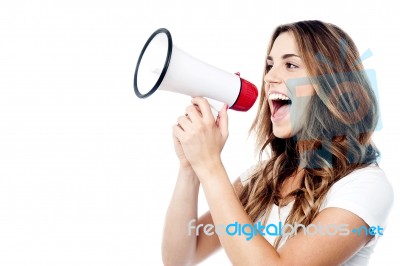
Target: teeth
277	96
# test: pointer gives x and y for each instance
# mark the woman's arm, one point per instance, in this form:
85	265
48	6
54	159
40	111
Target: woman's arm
206	245
179	246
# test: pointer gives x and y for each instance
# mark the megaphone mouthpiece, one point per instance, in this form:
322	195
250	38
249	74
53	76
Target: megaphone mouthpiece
247	96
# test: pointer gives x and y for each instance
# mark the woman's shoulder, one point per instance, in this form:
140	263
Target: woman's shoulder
366	192
370	177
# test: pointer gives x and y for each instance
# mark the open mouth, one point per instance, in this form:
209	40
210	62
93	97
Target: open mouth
280	104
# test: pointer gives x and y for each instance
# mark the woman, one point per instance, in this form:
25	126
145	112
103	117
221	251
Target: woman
321	181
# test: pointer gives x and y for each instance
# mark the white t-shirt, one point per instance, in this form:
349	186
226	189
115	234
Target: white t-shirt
365	192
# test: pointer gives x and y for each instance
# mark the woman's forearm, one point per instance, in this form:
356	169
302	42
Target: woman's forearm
178	247
226	209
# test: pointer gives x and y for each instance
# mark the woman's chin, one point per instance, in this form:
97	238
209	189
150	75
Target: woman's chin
286	129
282	132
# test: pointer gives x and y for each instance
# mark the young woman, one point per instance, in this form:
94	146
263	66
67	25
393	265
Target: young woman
321	183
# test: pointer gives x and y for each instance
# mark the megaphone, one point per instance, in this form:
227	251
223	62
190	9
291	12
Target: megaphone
163	66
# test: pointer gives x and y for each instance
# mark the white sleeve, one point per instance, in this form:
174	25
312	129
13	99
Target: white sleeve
365	192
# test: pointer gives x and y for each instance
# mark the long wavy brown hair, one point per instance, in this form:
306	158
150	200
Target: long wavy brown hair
336	140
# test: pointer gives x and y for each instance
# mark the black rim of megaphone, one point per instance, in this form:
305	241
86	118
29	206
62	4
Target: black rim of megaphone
164	70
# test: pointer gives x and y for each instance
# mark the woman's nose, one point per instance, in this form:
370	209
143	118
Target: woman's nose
271	80
272	76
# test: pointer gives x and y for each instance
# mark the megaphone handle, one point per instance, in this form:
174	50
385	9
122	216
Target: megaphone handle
216	106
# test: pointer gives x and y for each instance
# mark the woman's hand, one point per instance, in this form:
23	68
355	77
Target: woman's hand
201	138
184	163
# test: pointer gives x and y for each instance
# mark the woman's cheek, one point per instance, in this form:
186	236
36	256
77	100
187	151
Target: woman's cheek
298	113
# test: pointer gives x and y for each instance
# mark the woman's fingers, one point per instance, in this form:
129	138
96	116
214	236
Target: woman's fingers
184	122
193	113
204	107
177	132
223	121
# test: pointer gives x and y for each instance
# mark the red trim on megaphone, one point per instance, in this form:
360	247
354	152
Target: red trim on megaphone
247	96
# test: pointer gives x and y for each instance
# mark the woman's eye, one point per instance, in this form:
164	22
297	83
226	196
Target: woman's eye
269	66
291	66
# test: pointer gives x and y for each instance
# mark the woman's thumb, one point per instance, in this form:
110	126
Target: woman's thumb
223	120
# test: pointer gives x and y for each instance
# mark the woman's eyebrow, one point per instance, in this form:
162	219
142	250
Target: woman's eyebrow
285	56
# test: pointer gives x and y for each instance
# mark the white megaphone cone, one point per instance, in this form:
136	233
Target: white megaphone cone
163	66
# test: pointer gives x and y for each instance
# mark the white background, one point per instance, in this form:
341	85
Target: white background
86	168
